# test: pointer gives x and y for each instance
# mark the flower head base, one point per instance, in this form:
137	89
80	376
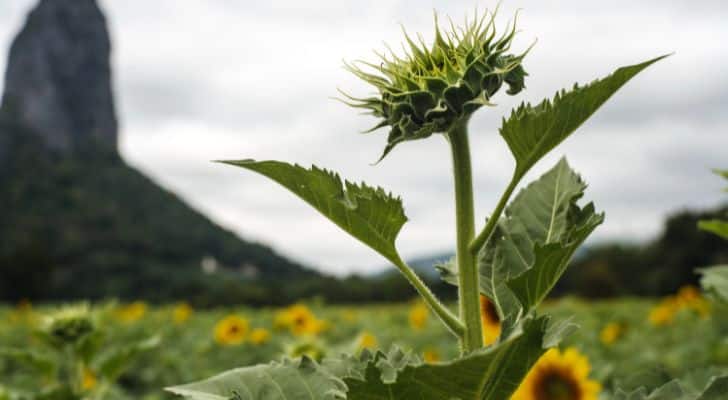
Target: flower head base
431	90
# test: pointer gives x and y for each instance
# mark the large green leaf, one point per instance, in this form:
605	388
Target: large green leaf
534	242
369	214
716	389
488	374
532	131
287	380
715	281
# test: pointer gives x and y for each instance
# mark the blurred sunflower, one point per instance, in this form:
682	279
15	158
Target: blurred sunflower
349	315
259	336
431	356
299	320
664	312
611	332
231	330
559	376
309	347
181	313
418	316
88	379
491	320
131	312
689	297
366	340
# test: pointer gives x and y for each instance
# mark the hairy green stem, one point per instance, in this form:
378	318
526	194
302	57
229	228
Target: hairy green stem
450	320
468	288
487	231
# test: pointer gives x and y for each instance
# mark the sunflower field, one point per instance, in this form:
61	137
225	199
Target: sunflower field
132	351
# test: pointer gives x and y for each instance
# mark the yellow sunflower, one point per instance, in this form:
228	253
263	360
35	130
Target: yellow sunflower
689	297
664	313
231	330
366	341
611	332
259	336
559	376
181	313
431	356
299	320
418	316
131	312
88	379
491	320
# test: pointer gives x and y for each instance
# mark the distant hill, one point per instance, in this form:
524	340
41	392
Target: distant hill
424	266
77	221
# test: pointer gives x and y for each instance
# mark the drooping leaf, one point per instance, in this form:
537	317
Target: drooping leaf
369	214
534	242
532	131
286	380
715	281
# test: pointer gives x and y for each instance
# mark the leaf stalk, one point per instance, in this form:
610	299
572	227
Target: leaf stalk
450	320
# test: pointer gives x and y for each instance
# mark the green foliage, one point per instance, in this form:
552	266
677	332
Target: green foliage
533	243
369	214
302	379
715	281
71	358
533	131
520	256
718	227
674	390
386	376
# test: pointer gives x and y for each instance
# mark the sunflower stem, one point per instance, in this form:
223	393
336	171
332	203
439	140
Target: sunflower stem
468	288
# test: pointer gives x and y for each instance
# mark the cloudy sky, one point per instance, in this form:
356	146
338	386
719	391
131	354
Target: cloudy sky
198	80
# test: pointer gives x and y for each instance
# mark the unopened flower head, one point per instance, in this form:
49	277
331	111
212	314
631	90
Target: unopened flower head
69	324
430	90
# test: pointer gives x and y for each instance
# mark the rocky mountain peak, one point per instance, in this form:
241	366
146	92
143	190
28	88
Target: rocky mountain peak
58	78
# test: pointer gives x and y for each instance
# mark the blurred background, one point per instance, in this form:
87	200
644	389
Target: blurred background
111	112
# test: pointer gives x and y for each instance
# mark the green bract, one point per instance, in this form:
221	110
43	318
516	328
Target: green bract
431	89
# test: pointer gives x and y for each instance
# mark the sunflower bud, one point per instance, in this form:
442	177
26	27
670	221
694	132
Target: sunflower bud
69	325
431	90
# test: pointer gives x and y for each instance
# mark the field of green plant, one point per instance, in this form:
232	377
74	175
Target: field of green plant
133	351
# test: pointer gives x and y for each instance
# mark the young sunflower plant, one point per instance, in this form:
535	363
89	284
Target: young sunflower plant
513	261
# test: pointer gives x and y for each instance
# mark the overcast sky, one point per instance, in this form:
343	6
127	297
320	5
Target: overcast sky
198	80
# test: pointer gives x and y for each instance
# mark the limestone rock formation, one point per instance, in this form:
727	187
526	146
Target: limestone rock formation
58	78
77	222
